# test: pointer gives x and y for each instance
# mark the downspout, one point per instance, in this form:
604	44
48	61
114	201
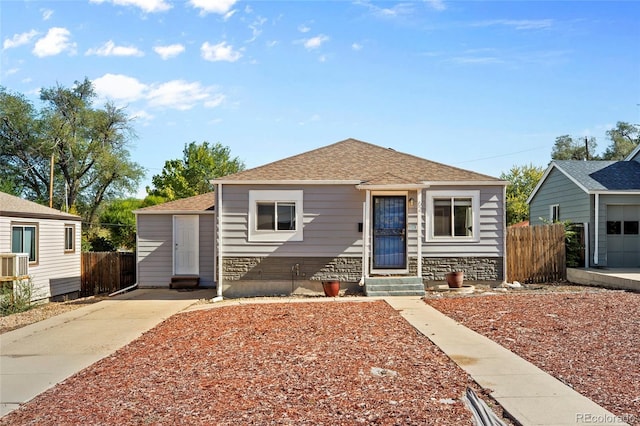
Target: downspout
364	245
218	211
504	234
597	228
419	228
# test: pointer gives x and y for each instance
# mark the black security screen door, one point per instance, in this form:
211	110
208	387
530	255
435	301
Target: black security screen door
389	230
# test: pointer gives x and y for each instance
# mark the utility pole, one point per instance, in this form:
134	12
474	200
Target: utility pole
586	147
51	183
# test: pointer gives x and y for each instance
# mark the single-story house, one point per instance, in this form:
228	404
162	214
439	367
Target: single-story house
601	196
49	241
351	211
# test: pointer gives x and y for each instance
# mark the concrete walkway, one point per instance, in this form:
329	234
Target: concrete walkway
527	394
37	357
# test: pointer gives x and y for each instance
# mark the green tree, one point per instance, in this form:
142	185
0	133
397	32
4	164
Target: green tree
190	175
624	138
88	145
570	148
522	180
117	217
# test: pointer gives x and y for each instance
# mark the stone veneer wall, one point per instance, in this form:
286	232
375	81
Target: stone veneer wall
474	268
349	269
274	268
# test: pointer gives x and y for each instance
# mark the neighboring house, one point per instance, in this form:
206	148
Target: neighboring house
350	211
602	195
50	240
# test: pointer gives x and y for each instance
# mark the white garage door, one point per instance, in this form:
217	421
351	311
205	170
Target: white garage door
623	236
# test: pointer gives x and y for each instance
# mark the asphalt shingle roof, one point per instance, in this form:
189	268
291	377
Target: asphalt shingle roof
11	205
603	175
354	160
202	202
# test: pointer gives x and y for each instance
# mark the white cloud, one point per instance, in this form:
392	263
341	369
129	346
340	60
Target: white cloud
55	42
256	28
356	46
436	4
219	52
46	14
303	28
175	94
19	39
11	71
119	87
147	6
272	43
169	51
178	94
215	101
315	42
143	116
110	49
518	24
221	7
400	9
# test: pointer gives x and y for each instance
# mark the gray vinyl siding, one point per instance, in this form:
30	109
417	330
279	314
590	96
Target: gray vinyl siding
155	250
492	225
55	273
331	217
559	189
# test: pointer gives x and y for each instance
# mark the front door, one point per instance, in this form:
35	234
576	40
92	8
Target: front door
389	232
185	245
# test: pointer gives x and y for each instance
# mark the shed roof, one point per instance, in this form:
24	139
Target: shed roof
352	160
13	206
197	203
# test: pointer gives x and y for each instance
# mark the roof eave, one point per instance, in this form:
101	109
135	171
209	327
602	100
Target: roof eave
284	182
174	212
615	192
467	183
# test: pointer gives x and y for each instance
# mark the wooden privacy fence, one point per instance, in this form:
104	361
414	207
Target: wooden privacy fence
106	272
536	254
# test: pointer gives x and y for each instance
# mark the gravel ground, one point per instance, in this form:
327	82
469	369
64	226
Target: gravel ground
300	363
588	339
42	312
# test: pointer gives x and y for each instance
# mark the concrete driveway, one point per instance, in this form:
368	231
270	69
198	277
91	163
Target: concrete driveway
37	357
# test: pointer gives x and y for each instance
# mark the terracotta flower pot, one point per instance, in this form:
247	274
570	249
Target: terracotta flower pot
455	279
331	288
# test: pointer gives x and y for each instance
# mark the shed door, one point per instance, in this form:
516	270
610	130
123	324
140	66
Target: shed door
623	236
389	232
186	245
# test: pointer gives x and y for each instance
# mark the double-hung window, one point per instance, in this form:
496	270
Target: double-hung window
24	239
453	215
275	216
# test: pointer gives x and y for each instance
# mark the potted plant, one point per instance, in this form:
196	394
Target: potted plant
455	279
331	287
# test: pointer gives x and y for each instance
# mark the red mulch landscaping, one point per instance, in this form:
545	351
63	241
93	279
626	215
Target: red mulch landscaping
297	363
588	340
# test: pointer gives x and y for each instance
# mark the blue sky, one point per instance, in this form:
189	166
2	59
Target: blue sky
478	85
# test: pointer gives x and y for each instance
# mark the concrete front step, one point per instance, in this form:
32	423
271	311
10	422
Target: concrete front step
394	286
184	281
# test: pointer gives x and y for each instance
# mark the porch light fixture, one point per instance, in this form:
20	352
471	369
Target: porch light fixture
411	202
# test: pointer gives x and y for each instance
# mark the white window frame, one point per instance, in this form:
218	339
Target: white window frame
72	227
554	213
275	196
431	196
36	242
